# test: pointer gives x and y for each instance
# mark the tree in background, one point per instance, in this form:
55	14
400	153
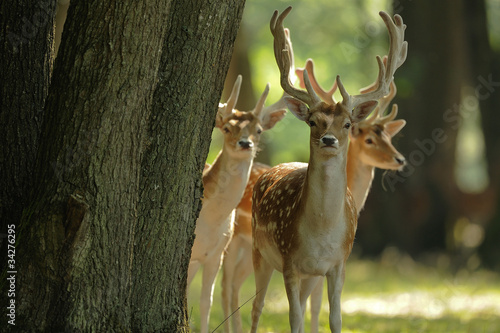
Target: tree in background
105	238
448	78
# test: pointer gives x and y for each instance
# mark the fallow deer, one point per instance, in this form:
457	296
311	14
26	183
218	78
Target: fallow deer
224	183
370	146
304	218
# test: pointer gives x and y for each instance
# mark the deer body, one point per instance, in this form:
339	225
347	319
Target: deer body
304	222
224	183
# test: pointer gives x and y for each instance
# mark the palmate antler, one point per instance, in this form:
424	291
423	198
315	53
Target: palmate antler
387	67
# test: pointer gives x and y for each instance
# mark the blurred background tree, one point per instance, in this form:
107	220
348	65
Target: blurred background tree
445	200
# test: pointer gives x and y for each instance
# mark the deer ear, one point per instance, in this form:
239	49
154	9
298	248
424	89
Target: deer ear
362	111
298	108
271	118
219	118
393	127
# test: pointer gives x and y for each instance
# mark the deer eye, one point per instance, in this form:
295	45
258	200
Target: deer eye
347	125
226	130
369	141
312	123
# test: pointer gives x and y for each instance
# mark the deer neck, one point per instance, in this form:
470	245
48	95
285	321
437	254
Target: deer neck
226	179
359	177
325	189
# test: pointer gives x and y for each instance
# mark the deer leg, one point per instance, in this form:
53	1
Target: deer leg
292	287
316	296
306	287
228	270
192	269
210	269
241	272
335	281
263	272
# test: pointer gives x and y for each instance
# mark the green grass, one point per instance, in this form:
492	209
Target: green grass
393	294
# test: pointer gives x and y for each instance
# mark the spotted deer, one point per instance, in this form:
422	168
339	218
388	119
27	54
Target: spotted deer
370	147
304	218
224	183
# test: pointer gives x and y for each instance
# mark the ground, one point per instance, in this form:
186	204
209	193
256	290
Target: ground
390	294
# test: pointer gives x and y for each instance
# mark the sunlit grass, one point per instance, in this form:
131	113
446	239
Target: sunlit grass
387	295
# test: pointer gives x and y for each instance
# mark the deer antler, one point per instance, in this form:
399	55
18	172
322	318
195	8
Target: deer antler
225	109
284	56
326	96
383	103
396	57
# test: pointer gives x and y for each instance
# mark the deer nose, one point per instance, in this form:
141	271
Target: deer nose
329	140
245	144
400	160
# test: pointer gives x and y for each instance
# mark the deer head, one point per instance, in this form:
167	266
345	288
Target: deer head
241	129
330	121
371	137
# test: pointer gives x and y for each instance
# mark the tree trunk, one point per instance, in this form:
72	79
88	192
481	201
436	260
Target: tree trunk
411	209
197	51
25	68
75	243
105	243
485	79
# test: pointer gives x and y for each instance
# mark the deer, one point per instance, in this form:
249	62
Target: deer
224	183
370	147
304	218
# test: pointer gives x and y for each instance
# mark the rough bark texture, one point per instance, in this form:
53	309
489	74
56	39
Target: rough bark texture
75	246
26	39
196	58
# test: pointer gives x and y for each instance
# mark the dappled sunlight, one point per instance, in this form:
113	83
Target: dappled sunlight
429	305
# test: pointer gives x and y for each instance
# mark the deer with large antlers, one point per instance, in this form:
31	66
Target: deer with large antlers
304	218
224	183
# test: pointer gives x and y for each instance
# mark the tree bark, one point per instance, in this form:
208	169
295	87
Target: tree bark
75	243
105	242
26	60
195	60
